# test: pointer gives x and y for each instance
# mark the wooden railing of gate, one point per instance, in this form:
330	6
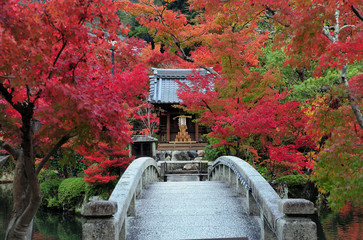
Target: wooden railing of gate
165	165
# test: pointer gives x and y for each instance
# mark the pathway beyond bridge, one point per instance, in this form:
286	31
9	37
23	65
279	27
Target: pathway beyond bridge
191	210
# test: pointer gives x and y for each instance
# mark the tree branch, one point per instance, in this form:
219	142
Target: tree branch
7	77
63	45
10	149
56	59
357	13
206	104
9	98
28	92
326	33
353	104
273	12
211	70
184	57
55	148
74	69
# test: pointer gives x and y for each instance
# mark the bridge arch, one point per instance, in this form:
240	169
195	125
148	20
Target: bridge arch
107	219
280	219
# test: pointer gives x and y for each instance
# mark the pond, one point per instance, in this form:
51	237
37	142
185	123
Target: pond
50	225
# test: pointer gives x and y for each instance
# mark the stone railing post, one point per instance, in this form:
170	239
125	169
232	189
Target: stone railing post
100	223
296	224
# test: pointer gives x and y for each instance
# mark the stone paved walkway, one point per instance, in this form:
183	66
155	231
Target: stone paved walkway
190	210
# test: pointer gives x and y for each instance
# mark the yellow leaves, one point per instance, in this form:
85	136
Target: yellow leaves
316	104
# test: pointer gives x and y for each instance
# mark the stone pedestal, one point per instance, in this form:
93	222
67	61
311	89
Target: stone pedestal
296	224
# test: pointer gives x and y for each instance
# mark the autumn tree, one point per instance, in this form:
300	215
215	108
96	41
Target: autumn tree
313	38
57	87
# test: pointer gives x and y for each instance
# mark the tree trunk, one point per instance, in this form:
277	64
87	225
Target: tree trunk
27	197
352	102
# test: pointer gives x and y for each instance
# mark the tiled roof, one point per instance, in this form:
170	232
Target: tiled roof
143	138
163	85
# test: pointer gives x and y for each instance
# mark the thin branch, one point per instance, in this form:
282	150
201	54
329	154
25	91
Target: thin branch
273	12
9	98
206	104
10	149
58	55
8	77
37	95
211	70
184	57
352	26
63	45
74	69
357	13
245	24
55	148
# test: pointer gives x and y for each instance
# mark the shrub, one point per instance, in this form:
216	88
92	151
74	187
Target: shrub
103	191
49	189
47	174
71	192
212	153
295	184
293	180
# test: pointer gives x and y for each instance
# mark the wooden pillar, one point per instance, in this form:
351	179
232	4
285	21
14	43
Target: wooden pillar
196	132
168	127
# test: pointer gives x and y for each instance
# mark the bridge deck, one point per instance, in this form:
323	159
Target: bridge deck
190	210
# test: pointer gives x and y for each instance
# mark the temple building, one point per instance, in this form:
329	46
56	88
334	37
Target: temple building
177	129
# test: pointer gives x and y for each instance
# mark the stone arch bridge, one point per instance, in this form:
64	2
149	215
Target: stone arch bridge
236	203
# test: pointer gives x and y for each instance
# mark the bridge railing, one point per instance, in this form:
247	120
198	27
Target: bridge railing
165	165
279	219
106	220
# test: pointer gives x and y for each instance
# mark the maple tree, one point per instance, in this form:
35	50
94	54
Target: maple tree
146	120
308	40
59	86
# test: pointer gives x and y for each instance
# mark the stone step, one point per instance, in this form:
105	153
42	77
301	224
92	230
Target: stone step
190	210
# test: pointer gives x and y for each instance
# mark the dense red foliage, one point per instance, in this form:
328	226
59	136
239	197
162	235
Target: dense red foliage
60	62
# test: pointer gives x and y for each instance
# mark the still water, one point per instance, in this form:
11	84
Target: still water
346	225
48	225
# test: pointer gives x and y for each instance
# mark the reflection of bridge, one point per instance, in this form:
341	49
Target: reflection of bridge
237	203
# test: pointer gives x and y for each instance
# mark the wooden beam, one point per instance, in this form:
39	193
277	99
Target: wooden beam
196	132
168	127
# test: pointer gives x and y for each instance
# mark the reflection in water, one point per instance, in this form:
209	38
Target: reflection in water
345	225
48	225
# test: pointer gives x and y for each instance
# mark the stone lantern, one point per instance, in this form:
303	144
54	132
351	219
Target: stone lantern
143	146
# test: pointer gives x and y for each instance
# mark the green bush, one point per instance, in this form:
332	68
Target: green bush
103	191
293	180
212	153
49	189
295	184
47	174
71	192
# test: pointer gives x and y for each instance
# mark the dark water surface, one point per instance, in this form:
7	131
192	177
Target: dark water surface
50	225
